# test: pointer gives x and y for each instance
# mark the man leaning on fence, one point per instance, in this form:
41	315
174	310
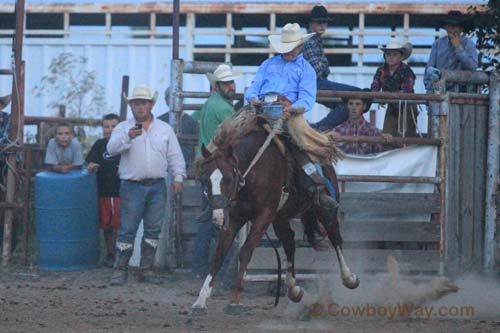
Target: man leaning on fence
452	52
148	148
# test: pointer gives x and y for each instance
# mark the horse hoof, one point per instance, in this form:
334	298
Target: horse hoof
295	296
234	309
195	311
352	282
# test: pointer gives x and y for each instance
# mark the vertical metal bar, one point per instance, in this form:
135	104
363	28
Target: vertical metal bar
108	25
272	26
123	101
17	120
229	26
406	26
443	135
491	173
361	39
26	208
175	100
152	26
175	30
66	25
190	25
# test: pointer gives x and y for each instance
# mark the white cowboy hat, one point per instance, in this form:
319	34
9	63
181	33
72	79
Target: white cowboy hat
223	73
395	44
4	101
142	91
290	38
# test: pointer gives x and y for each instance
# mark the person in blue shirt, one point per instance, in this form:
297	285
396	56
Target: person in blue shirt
287	77
452	52
288	80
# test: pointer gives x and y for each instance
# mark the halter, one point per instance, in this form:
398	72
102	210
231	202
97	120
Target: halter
220	201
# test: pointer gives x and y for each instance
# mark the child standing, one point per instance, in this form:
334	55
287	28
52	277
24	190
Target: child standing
108	185
64	152
397	76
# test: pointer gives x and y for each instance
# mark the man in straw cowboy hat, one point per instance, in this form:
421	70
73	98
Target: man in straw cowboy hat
287	78
217	108
453	51
288	81
313	52
396	76
148	148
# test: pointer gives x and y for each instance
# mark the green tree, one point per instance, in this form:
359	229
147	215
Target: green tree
71	84
487	30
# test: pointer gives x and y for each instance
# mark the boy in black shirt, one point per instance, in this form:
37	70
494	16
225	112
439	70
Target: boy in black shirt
108	185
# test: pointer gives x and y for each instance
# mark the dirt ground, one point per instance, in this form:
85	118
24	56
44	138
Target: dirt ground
38	301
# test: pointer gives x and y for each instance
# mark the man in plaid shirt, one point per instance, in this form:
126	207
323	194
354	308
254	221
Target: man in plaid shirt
314	54
356	125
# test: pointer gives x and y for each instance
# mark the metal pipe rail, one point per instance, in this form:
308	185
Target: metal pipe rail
389	179
395	140
35	120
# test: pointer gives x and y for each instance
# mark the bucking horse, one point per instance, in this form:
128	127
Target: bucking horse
239	193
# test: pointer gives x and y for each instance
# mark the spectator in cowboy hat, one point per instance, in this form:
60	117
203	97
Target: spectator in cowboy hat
148	147
396	76
217	108
453	51
313	52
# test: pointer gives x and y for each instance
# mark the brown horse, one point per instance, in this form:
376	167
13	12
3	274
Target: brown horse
256	198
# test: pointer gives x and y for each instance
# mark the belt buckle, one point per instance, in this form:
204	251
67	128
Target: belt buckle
270	98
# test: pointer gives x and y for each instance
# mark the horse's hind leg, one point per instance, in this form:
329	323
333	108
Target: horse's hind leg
286	235
327	213
225	242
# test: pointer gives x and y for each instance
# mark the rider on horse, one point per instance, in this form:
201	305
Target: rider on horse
283	85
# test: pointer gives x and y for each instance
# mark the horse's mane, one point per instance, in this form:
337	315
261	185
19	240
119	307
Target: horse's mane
236	127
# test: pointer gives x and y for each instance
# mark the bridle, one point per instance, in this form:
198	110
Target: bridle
221	201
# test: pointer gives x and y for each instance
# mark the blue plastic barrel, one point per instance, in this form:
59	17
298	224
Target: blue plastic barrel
66	220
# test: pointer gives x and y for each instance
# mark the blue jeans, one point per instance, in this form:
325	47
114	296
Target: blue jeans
139	202
339	112
329	85
335	117
206	233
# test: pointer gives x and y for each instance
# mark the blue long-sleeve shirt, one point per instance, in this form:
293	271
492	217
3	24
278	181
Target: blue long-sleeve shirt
445	56
296	80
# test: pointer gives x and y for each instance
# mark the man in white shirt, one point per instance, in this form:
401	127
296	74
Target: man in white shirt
148	148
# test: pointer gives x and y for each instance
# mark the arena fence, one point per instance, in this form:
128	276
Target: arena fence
459	235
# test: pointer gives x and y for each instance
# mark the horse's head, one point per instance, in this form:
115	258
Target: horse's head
222	180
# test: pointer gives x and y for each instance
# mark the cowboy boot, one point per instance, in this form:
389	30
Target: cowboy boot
120	272
148	252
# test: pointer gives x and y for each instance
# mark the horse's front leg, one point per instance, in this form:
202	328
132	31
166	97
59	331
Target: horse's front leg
286	235
327	211
257	230
223	245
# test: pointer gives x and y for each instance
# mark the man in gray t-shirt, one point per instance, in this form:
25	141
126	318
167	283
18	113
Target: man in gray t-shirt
64	152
